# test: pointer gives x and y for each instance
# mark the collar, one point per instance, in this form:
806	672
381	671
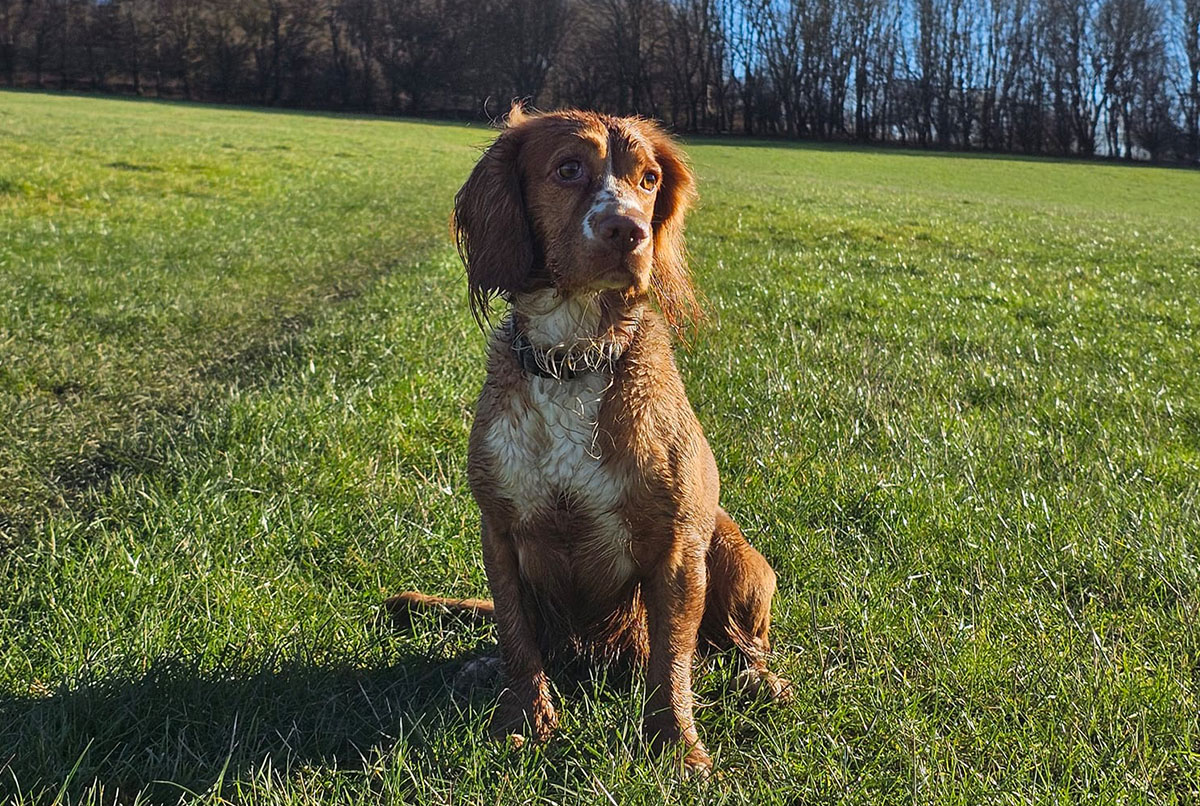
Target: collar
561	365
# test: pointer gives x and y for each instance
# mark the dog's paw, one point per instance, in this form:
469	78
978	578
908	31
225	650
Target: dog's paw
665	735
763	684
528	718
476	673
697	763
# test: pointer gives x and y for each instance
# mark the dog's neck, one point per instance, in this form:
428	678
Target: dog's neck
575	323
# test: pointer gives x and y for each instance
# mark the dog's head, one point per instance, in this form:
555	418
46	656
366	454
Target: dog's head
579	202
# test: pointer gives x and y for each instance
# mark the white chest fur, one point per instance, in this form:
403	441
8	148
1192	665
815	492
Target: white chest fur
545	445
546	455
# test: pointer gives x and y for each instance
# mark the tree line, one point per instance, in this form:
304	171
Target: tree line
1118	78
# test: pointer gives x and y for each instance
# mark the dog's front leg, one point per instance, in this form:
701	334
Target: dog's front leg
674	597
525	700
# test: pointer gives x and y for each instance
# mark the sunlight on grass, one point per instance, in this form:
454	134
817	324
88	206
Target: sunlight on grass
955	401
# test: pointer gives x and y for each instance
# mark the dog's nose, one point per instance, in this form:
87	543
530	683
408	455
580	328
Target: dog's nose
622	232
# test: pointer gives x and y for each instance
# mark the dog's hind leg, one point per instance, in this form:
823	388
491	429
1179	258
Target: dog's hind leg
737	610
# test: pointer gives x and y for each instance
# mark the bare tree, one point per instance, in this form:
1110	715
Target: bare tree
694	58
134	30
418	53
225	48
10	31
868	29
1188	87
779	26
929	54
824	68
1128	37
530	33
627	32
1118	77
1072	56
1007	51
181	19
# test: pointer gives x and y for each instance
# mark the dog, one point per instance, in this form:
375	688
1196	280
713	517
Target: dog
602	534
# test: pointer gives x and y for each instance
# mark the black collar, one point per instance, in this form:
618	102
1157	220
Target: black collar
561	365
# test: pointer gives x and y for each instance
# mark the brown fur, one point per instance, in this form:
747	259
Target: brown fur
617	549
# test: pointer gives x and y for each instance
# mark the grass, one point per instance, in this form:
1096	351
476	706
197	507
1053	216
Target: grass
955	401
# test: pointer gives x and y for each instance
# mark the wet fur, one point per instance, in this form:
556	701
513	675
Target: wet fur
601	529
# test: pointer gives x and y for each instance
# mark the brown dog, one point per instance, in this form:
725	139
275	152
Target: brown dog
602	534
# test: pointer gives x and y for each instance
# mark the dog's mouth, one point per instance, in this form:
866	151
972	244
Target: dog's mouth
628	276
599	272
615	280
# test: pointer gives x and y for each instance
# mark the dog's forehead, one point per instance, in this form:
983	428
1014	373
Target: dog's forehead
620	138
628	144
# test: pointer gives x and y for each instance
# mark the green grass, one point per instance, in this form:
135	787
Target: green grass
955	401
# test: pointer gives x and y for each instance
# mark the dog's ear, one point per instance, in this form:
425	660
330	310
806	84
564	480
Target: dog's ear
671	280
490	224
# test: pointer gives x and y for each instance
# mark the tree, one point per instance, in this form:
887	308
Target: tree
1188	26
1130	50
530	33
1116	77
694	58
1072	57
11	19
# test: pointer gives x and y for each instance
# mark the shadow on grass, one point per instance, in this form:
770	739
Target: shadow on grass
183	726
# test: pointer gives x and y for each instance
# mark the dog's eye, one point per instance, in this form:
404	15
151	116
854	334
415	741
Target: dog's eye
569	170
649	180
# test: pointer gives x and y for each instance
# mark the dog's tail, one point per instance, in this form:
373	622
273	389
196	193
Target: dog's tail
401	607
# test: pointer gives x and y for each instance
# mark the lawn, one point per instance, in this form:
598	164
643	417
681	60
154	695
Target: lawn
955	400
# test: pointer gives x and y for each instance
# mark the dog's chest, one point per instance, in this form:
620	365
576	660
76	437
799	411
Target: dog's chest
547	461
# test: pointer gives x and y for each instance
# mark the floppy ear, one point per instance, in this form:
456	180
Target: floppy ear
671	280
490	225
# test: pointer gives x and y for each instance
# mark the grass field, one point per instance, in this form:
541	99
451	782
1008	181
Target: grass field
955	401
